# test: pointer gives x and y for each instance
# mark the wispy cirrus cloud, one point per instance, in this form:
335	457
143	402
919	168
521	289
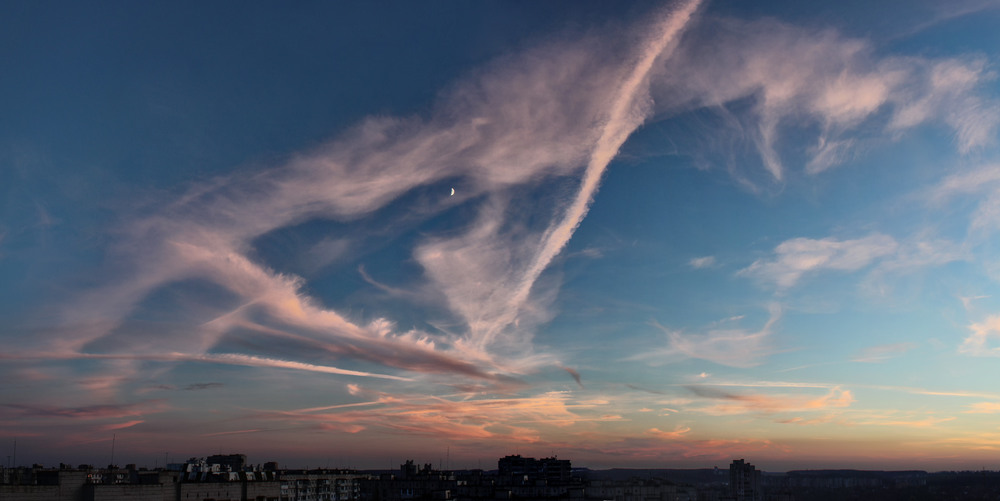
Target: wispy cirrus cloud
357	261
677	433
978	343
882	352
702	262
653	448
904	422
922	250
559	111
202	386
732	347
122	426
800	256
575	375
88	412
486	255
968	302
743	403
459	417
884	258
982	182
968	182
946	92
233	432
984	408
237	359
798	76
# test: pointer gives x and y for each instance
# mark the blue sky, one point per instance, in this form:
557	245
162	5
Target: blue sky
630	234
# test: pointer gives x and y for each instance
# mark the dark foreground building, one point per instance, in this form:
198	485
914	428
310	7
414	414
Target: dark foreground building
516	479
87	484
744	482
195	481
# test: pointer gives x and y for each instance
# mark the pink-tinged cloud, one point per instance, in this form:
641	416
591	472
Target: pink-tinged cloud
463	266
927	422
558	111
745	403
677	433
460	418
984	178
210	358
575	375
982	184
681	448
984	341
803	77
807	421
984	408
88	412
801	256
340	427
233	432
732	347
252	361
121	426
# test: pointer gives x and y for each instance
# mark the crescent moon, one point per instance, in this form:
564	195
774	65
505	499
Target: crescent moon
452	192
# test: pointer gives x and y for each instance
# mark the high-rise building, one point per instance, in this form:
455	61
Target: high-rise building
744	481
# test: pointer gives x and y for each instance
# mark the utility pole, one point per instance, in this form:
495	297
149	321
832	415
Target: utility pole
113	437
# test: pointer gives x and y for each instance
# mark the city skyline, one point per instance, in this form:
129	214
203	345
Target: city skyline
643	234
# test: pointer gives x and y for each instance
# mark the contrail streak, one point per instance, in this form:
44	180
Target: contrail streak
626	115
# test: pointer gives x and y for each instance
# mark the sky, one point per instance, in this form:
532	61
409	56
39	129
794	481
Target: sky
628	234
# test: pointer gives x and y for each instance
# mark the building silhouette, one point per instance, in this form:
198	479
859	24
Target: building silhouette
232	462
523	470
744	481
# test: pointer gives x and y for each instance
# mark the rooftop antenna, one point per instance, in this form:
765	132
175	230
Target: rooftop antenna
113	437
